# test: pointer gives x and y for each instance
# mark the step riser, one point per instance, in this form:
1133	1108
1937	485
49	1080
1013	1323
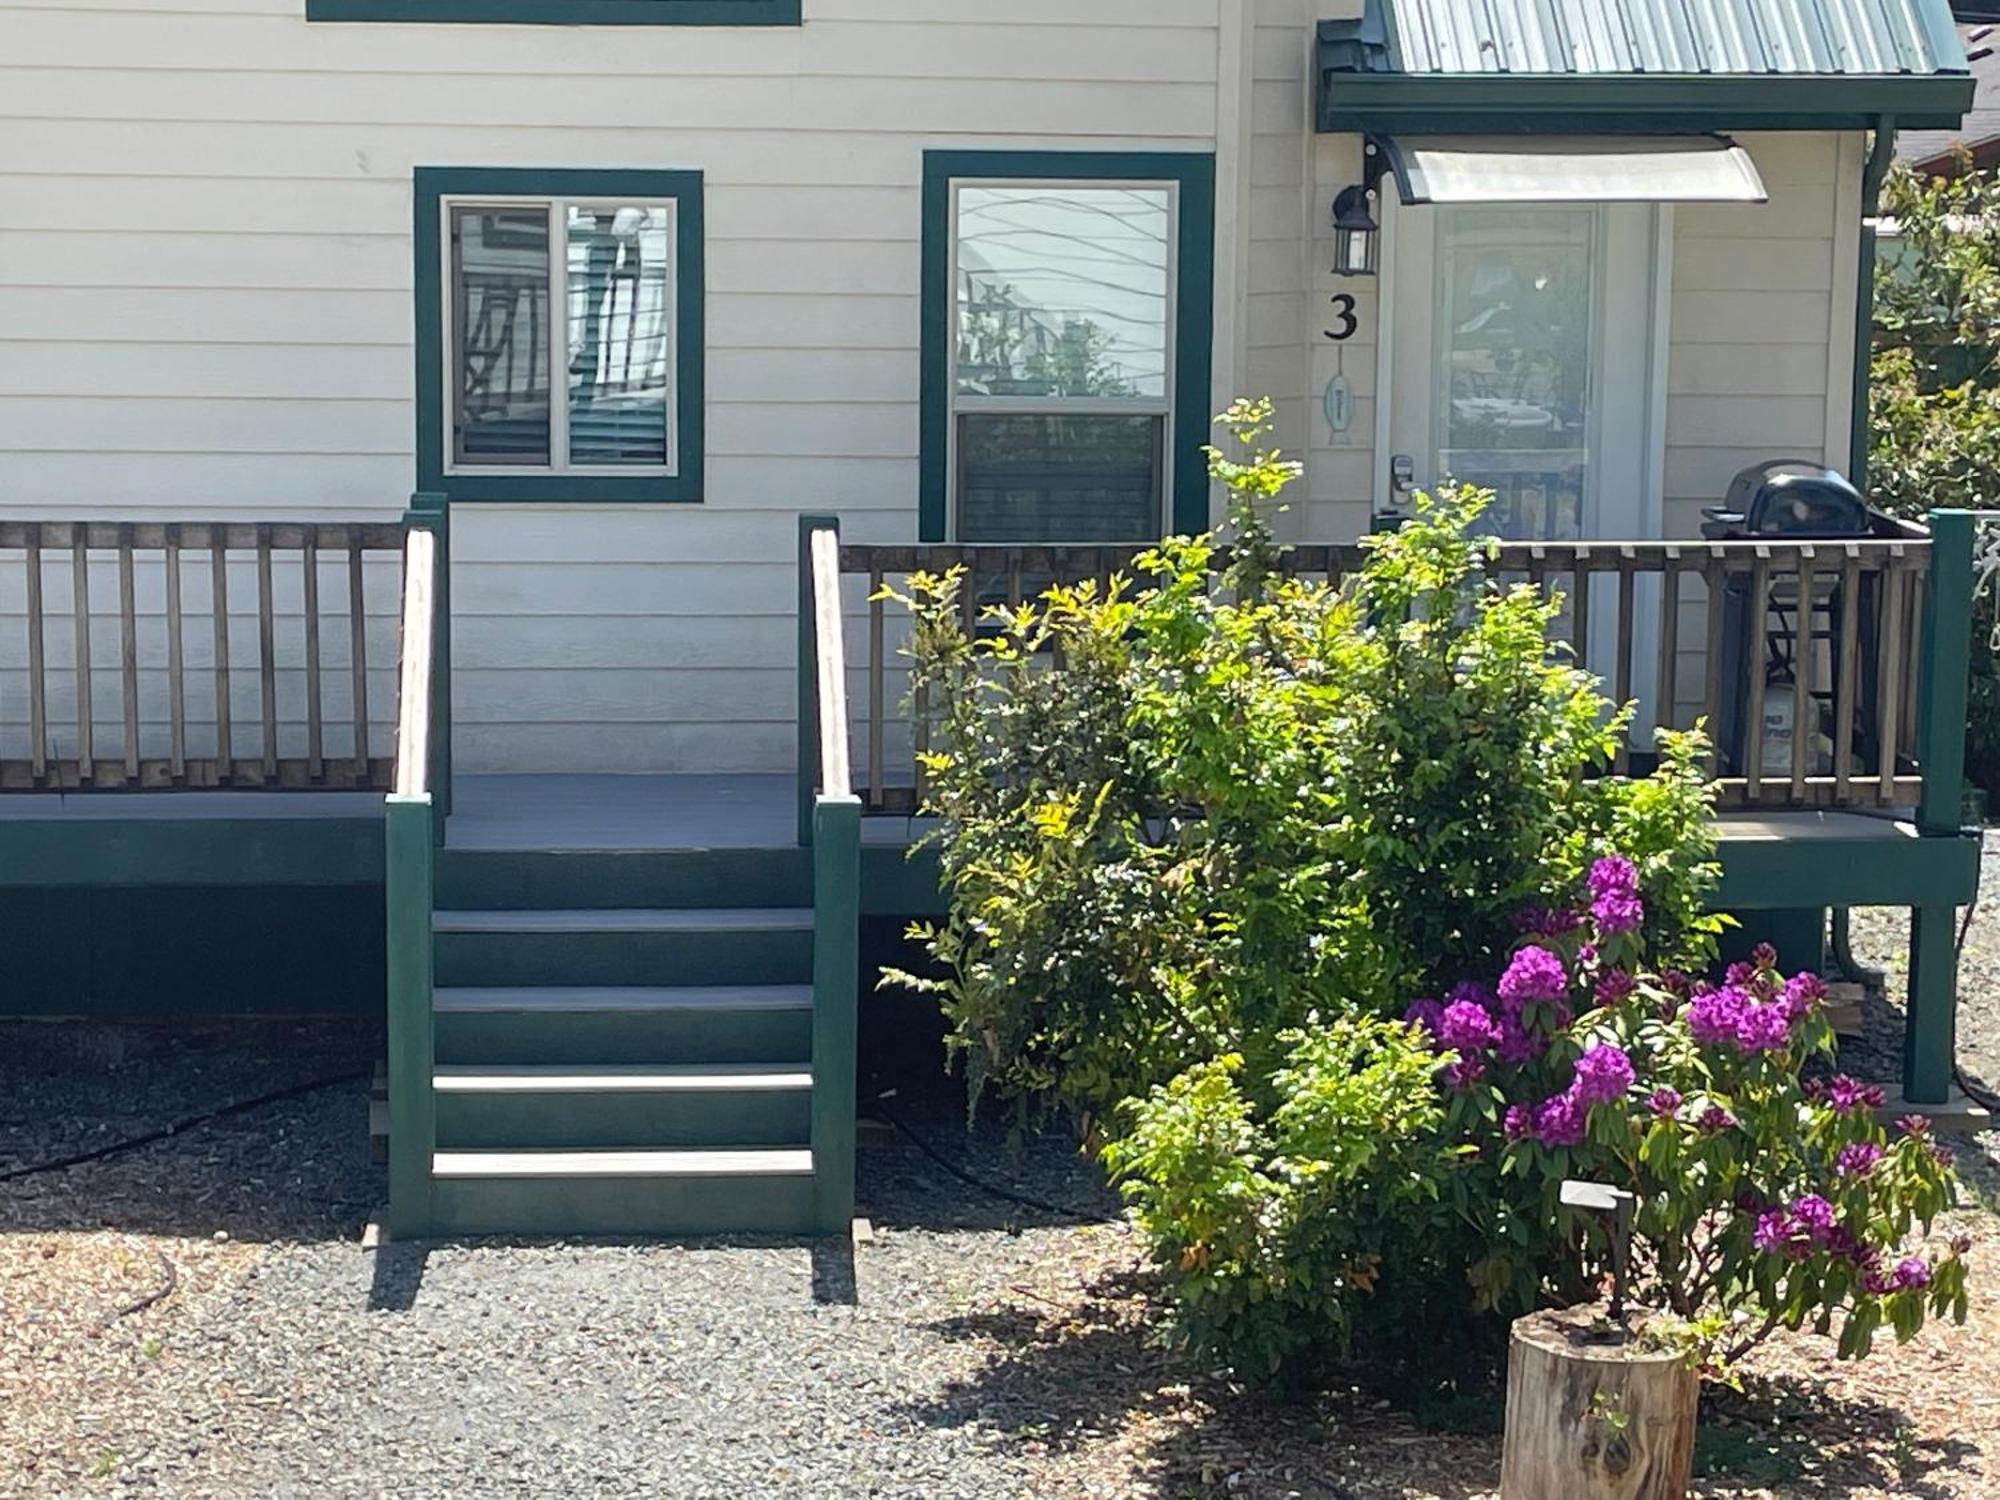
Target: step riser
501	880
624	1118
679	1036
728	956
614	1205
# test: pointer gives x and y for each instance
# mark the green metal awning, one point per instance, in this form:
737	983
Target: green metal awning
1641	66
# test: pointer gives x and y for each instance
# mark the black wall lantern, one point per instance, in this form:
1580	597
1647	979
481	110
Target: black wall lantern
1357	238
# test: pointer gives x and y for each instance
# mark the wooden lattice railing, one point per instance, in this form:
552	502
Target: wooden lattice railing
1691	629
243	655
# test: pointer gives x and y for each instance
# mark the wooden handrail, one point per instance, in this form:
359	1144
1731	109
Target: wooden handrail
830	665
127	603
1823	606
413	699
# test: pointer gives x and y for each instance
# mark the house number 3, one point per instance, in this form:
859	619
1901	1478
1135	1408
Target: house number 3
1344	320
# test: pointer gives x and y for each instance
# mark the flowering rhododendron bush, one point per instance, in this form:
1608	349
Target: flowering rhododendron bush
1209	834
1767	1197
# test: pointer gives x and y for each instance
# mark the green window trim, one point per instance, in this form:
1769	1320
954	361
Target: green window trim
562	12
1193	173
433	187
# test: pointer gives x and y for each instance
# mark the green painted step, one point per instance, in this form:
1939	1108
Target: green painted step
623	1192
624	946
622	1105
582	1024
529	879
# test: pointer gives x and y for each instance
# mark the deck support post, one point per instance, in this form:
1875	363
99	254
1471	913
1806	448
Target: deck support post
1930	1024
836	1016
410	852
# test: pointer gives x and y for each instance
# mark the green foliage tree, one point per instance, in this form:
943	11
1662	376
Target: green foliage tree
1934	393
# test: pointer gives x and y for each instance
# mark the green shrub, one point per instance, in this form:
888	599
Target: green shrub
1206	837
1178	817
1274	1215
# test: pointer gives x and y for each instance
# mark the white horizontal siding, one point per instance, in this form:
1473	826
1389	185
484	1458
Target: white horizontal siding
205	309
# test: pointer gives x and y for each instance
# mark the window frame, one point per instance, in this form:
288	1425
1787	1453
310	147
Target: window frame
561	12
441	190
1190	179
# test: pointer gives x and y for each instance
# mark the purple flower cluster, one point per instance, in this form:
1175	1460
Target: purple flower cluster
1546	921
1664	1103
1845	1095
1752	1010
1474	1022
1858	1159
1614	895
1808	1225
1910	1273
1534	973
1603	1074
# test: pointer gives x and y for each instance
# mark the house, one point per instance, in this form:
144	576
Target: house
966	282
1936	151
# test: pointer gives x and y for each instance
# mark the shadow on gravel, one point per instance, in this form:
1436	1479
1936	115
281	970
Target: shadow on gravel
293	1168
397	1274
1068	1378
1787	1433
927	1168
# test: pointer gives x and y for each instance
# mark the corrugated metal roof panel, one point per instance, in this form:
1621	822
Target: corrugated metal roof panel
1741	37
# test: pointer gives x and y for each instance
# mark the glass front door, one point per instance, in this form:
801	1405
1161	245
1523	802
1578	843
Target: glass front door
1515	292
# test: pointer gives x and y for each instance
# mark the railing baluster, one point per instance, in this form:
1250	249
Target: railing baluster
309	578
1756	650
267	655
218	565
38	693
1579	608
1913	632
1715	580
1622	668
1893	656
1803	730
176	664
128	650
1664	693
1845	706
876	687
86	751
357	649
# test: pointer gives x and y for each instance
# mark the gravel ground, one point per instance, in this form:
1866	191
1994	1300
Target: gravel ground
1881	936
197	1318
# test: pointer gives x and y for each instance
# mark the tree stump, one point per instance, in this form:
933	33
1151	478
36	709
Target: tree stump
1593	1414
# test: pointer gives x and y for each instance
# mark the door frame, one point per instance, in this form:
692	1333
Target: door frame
1634	293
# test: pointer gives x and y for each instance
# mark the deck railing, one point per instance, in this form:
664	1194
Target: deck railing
412	830
830	821
243	654
1835	637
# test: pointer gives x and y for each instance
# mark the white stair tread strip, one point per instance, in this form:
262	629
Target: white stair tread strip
740	1163
464	1078
629	919
617	998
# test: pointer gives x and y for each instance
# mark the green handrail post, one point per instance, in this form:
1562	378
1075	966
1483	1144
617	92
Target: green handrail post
432	512
1930	1024
836	1006
808	752
410	854
1945	672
